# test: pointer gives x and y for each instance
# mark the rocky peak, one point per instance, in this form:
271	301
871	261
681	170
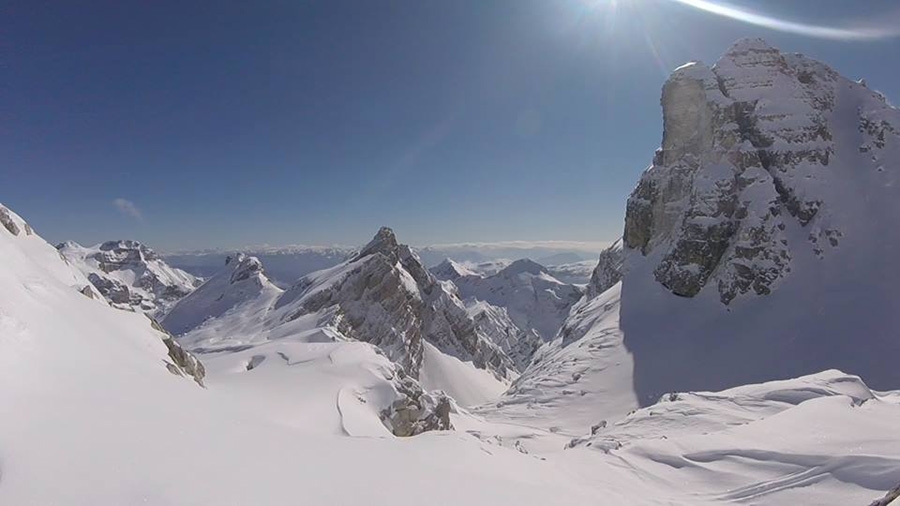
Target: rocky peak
384	242
128	250
385	296
748	146
245	267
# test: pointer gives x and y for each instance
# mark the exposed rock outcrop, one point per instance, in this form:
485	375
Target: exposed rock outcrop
416	411
184	363
608	271
747	151
8	223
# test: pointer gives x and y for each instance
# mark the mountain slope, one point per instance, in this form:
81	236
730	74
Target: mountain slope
240	289
382	296
130	275
92	414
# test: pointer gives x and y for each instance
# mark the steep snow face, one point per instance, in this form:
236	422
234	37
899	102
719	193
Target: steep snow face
533	299
756	244
240	289
130	275
385	296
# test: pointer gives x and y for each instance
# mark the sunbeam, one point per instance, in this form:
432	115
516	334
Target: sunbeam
859	32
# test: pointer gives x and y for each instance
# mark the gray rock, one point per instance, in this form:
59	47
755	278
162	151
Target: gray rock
712	207
184	363
7	221
416	411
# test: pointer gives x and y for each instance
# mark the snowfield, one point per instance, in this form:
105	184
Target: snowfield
91	415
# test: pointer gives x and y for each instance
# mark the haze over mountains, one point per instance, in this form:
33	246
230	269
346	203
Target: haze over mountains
737	345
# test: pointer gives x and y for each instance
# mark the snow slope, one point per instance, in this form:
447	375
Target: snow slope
585	375
236	299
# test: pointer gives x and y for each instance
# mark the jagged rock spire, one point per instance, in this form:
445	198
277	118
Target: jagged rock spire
384	242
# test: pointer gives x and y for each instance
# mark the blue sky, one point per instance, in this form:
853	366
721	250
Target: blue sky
219	124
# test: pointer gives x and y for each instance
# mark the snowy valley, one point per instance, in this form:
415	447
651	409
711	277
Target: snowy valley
738	345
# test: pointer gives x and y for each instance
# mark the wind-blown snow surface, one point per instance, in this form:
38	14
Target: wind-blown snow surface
89	415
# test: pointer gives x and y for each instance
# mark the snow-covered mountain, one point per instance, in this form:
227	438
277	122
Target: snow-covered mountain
754	249
544	252
103	405
757	242
284	265
241	288
533	299
130	275
383	296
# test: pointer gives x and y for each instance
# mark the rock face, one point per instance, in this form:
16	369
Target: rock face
8	223
748	151
760	243
416	411
608	271
184	363
384	296
130	275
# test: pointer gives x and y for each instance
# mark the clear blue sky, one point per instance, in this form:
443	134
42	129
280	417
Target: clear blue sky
232	123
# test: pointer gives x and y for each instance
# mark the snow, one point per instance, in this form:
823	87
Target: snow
464	382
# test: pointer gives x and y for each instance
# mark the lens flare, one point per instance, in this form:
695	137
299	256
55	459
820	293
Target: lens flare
890	28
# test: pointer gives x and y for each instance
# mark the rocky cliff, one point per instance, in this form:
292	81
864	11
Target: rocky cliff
386	297
754	149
